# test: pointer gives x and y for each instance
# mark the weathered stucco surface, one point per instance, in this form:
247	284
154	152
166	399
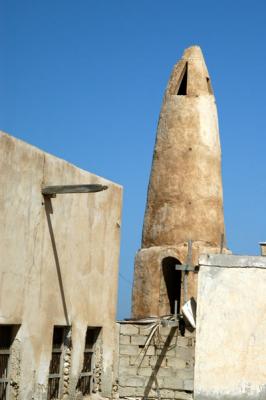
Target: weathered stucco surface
59	260
185	191
231	328
185	199
149	282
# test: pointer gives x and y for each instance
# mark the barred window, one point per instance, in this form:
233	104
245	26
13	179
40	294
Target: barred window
7	335
84	385
56	363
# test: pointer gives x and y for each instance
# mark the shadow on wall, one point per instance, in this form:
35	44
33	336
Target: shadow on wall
153	377
48	211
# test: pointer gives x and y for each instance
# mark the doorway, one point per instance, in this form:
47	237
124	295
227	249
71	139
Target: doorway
172	279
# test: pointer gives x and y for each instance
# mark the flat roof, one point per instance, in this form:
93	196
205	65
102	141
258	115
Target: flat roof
232	261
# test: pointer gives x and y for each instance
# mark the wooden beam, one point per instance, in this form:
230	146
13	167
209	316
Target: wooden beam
64	189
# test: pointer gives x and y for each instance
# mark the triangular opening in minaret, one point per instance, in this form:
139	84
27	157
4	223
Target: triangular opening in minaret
209	85
182	90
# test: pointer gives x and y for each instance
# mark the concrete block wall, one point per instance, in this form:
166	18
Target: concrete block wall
165	370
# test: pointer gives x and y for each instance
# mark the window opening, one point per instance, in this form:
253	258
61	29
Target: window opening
7	335
85	379
173	279
209	85
182	89
55	369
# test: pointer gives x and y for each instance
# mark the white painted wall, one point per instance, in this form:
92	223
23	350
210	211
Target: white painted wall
230	362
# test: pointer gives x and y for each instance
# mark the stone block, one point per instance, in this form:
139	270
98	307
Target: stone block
145	371
185	353
185	374
164	342
154	360
166	371
145	330
167	394
128	349
143	392
183	396
127	371
124	361
142	362
189	384
139	340
150	351
182	341
132	381
128	329
124	339
173	383
126	391
171	351
176	363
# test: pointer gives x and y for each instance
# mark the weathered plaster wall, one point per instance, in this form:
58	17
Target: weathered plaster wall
59	260
185	197
164	370
231	328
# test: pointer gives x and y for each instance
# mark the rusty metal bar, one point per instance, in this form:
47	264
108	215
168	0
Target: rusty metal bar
185	267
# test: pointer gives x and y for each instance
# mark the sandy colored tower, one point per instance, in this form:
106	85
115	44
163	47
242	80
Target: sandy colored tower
185	199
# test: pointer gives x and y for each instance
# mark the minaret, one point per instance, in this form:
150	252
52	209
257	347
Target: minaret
185	200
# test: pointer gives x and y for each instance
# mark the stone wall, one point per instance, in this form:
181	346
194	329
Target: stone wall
163	370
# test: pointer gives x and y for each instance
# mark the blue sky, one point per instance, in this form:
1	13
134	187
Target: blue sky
84	80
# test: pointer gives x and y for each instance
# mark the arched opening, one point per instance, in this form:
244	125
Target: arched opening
172	280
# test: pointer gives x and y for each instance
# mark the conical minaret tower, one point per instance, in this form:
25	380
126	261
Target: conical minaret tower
185	200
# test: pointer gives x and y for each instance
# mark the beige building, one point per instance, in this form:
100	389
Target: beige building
58	278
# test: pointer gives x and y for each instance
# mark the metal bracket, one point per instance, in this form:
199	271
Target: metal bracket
52	191
185	267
